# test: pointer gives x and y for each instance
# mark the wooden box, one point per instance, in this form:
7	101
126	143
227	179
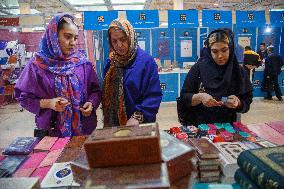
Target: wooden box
178	156
116	146
132	176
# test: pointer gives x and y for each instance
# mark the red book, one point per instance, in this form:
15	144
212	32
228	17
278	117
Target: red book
205	149
34	160
278	126
266	132
41	172
50	158
45	144
60	143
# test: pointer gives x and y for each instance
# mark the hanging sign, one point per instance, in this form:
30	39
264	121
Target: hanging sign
98	20
143	18
182	18
216	18
250	18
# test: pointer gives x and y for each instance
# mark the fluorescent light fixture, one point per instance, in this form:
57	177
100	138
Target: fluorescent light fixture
127	2
128	7
85	2
268	29
215	4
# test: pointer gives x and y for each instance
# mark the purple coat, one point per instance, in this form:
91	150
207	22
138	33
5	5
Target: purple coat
35	84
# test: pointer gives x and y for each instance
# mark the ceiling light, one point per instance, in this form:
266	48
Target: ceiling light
215	4
268	29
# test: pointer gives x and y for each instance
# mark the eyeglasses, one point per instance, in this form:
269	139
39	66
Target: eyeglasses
223	50
71	21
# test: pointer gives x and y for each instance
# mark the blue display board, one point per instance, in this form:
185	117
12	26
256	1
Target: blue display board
272	38
250	18
105	46
98	20
282	42
216	19
244	37
143	38
186	45
169	86
182	78
143	18
257	80
162	43
277	18
182	18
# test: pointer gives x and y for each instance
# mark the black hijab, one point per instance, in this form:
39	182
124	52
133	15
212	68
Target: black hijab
225	80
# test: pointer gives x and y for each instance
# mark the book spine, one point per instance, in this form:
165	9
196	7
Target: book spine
244	181
263	176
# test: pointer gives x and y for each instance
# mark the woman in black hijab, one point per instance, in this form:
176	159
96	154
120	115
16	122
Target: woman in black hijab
216	87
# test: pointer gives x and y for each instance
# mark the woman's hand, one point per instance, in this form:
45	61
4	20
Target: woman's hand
208	101
233	102
87	109
57	104
132	122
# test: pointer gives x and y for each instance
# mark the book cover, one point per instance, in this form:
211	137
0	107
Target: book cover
45	144
229	152
76	141
59	175
50	158
177	155
277	126
133	176
215	186
208	162
60	143
265	166
19	183
10	164
208	167
266	132
41	172
24	172
251	145
209	179
205	149
245	182
21	146
206	174
68	154
130	145
34	160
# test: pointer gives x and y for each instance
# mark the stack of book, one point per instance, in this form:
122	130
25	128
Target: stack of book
261	168
208	160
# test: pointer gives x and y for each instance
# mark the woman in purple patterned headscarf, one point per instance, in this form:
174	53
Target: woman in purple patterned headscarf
59	84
